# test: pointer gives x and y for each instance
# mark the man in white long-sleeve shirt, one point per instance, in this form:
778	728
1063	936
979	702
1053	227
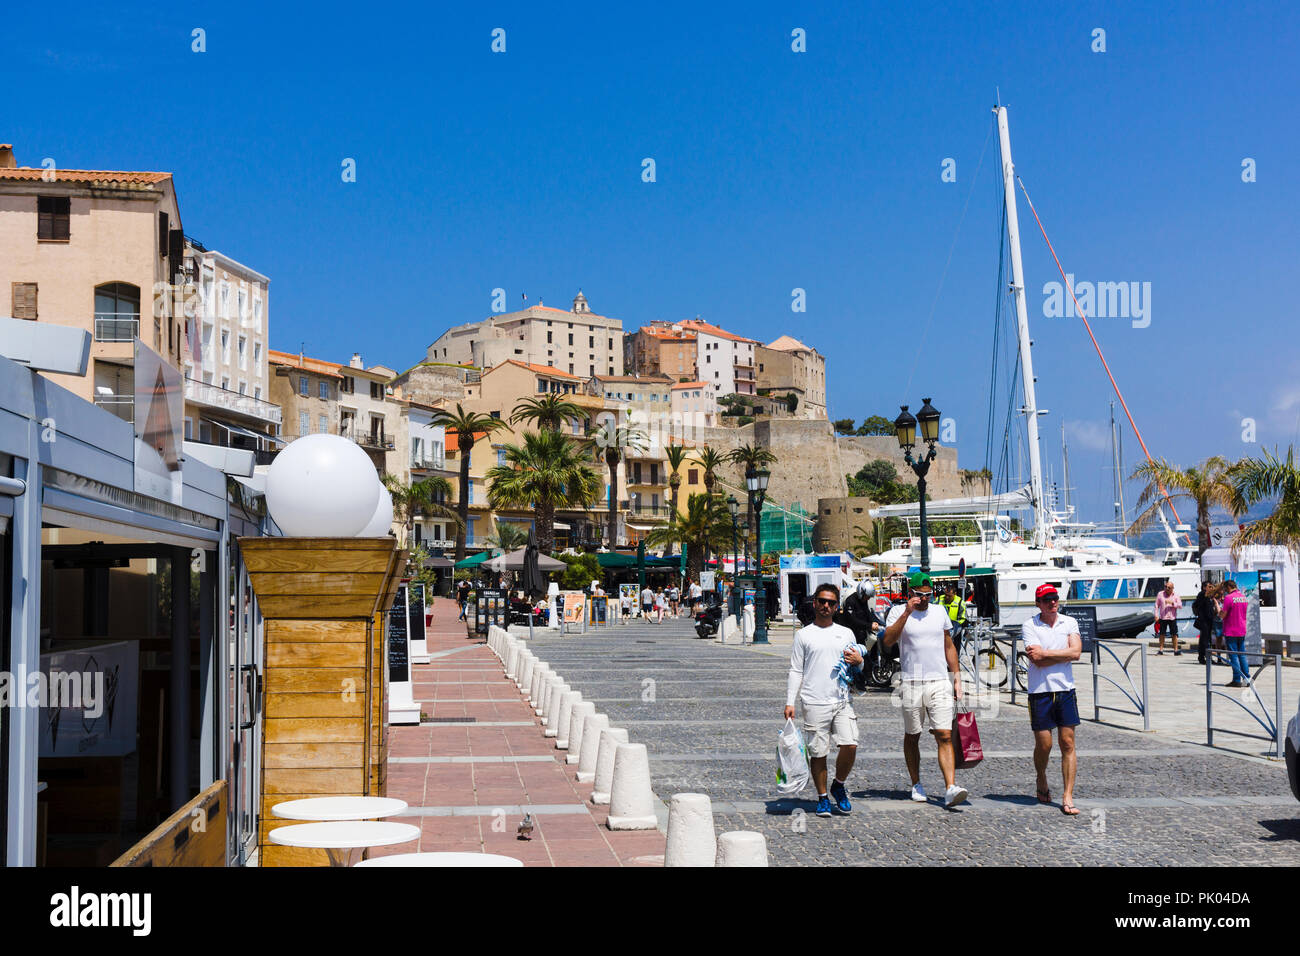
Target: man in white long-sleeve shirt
819	675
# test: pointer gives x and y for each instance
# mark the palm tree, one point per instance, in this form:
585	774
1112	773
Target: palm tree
676	455
1206	485
710	460
548	471
1259	479
615	444
705	526
548	413
746	457
507	537
423	496
469	428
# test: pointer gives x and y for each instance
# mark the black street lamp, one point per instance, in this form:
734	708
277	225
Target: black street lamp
756	485
927	416
734	507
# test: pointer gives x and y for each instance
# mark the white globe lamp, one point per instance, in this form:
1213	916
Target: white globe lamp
381	522
322	486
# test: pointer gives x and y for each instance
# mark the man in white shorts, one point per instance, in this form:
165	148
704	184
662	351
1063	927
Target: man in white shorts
931	681
819	675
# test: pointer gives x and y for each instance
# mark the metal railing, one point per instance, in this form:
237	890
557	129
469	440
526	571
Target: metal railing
123	406
1271	723
650	511
367	439
205	393
115	327
1138	698
428	463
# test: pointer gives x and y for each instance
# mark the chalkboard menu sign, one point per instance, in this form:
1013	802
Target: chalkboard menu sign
1086	617
416	597
489	608
399	663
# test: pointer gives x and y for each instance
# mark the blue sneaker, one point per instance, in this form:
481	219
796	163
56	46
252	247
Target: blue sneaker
823	806
841	797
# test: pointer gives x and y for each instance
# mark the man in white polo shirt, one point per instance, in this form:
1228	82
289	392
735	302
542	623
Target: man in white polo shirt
931	681
1052	643
820	659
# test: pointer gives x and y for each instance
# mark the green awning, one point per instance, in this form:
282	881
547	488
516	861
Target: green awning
612	559
473	561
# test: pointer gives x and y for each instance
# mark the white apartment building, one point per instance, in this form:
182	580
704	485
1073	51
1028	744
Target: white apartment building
227	383
577	341
694	406
723	359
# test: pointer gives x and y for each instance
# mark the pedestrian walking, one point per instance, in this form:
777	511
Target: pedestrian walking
462	598
1052	644
956	608
672	595
696	595
1235	605
820	658
647	602
1216	592
1203	616
661	605
931	682
1167	605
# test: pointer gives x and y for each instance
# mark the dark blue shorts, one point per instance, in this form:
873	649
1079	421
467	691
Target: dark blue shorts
1052	710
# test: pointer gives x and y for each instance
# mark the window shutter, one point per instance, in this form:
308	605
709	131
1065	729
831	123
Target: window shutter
163	236
176	253
24	300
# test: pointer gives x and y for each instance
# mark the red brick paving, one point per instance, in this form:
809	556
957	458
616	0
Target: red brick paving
472	683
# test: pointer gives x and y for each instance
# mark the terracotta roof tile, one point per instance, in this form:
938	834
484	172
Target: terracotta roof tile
94	177
709	329
319	366
690	385
539	369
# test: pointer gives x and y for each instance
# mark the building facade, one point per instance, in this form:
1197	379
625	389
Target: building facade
724	359
661	349
788	367
577	340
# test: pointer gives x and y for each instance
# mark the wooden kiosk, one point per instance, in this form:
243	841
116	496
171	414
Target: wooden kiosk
325	713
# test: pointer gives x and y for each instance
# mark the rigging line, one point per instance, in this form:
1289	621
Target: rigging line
1087	325
943	275
998	302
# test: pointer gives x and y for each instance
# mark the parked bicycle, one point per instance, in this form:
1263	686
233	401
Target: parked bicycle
984	662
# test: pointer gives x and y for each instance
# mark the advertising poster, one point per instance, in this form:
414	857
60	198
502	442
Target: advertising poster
88	701
575	604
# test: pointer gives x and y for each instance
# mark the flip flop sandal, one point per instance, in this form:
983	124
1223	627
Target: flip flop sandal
1069	809
1044	796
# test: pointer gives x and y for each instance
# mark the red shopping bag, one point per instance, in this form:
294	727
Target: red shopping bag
967	750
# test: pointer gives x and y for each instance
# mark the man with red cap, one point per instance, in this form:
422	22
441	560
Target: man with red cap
1052	644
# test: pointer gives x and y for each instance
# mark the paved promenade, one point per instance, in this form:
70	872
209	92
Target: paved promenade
480	761
709	716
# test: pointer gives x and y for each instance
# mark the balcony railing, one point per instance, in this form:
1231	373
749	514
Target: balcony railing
112	327
215	396
365	439
123	406
647	480
650	511
428	463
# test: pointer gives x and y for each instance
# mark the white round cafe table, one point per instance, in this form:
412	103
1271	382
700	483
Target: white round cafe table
343	840
323	809
442	859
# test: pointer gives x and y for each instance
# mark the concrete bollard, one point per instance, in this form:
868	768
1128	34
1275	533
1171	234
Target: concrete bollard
567	703
631	804
691	841
544	708
727	629
526	674
553	705
581	711
512	661
590	750
742	848
540	673
610	738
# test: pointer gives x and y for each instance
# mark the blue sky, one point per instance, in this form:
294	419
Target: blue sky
775	170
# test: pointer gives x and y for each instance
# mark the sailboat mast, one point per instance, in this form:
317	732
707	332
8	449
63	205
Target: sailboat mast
1030	408
1120	516
1065	467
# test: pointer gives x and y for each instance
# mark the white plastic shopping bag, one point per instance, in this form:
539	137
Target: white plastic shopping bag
791	760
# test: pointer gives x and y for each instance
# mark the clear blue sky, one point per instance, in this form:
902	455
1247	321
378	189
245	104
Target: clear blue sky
776	170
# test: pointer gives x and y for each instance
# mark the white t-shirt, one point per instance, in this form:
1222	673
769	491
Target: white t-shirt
817	664
696	591
1054	677
647	597
921	645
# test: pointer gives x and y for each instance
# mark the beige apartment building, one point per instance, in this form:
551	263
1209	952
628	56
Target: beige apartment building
579	340
307	391
227	372
658	349
787	366
96	250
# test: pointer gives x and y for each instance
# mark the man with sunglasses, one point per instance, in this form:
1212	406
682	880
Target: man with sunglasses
1052	644
931	682
820	659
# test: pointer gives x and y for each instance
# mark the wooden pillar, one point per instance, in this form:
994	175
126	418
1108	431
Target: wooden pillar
324	727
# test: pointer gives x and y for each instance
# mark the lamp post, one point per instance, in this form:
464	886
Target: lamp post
756	485
905	428
734	507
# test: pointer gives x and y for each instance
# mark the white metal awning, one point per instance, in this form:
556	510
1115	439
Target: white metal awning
984	504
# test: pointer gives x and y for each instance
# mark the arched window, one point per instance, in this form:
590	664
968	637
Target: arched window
117	312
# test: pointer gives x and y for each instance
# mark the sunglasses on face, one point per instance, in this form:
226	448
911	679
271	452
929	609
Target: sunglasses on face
830	602
1048	600
923	594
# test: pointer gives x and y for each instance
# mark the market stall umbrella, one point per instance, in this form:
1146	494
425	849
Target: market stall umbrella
534	582
473	561
514	561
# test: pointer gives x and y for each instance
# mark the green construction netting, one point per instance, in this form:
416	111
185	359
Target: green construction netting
786	528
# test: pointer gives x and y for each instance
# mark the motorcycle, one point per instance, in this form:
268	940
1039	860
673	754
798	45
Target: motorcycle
708	620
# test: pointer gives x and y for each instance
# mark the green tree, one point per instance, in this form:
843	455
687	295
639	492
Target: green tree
425	496
710	460
548	471
581	571
875	425
507	537
548	413
1264	479
1206	485
469	428
791	402
615	444
706	526
676	455
843	426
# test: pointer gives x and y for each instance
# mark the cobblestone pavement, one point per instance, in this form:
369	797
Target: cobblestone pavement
709	716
